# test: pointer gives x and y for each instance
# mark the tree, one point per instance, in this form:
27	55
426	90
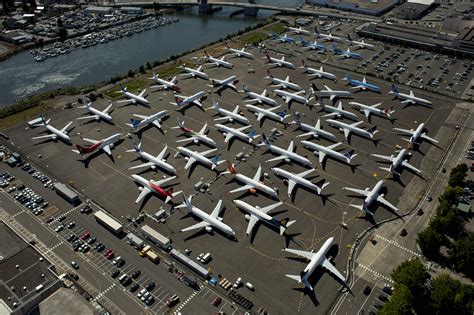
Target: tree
457	175
142	69
62	33
443	291
430	241
59	22
413	275
450	196
400	303
461	254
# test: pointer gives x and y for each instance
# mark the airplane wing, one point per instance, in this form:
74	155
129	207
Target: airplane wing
242	188
198	103
156	122
217	209
228	137
424	136
149	164
140	116
384	201
260	116
291	185
64	130
258	174
407	101
330	267
358	191
322	155
107	150
236	110
383	157
411	167
231	85
278	158
88	117
90	140
190	162
199	225
51	136
346	132
203	129
142	93
252	221
162	153
302	253
271	207
287	99
162	181
367	113
145	191
126	101
404	130
207	152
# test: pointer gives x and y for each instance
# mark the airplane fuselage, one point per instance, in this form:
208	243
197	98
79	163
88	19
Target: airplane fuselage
320	148
364	85
256	212
256	184
137	98
198	157
231	116
241	53
214	222
295	97
158	162
341	112
320	73
341	125
59	134
412	99
191	99
291	155
317	132
99	114
150	119
196	73
265	112
285	84
152	187
235	132
298	179
373	194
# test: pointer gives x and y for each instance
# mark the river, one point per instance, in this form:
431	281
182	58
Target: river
22	76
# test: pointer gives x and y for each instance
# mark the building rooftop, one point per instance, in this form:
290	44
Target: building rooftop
66	302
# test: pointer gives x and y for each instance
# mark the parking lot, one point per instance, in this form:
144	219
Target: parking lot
258	259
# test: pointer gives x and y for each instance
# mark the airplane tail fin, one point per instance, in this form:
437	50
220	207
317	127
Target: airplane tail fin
134	123
394	89
303	64
188	201
373	130
347	77
231	168
169	195
245	88
215	105
349	38
350	155
122	88
216	161
81	149
265	141
284	224
253	134
388	111
267	56
283	114
314	87
297	120
269	74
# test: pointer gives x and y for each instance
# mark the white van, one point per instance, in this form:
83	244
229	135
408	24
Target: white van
206	258
249	286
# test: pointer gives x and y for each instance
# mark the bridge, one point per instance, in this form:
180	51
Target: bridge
249	6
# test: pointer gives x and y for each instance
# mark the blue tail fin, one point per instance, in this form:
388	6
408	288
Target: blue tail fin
347	77
394	88
215	159
349	154
134	122
282	114
252	133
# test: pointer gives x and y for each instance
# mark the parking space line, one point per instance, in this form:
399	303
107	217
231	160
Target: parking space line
398	245
186	301
377	274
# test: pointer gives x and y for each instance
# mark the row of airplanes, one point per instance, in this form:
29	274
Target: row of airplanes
213	221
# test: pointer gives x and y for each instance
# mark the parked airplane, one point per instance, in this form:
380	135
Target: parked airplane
373	109
417	135
258	98
237	132
347	129
283	39
317	73
240	53
297	97
298	30
361	85
329	150
327	37
251	184
284	84
272	61
294	179
287	155
409	98
256	214
317	259
152	186
97	114
163	84
218	62
338	111
270	113
181	100
105	144
396	161
133	98
346	53
313	45
229	115
194	73
153	162
54	133
359	44
194	156
222	84
154	119
194	136
209	221
370	196
315	131
328	92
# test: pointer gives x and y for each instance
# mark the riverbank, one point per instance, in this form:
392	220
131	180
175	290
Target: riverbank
8	50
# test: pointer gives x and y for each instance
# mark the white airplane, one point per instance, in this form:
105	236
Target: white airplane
97	114
258	98
326	37
284	84
298	30
194	73
181	100
317	73
313	45
194	136
237	132
283	39
396	161
262	113
373	109
346	53
133	98
416	135
409	98
315	131
272	61
287	155
297	97
152	186
329	150
328	92
370	196
209	221
294	179
251	184
55	134
218	62
347	129
163	84
154	119
338	111
256	214
240	52
230	116
222	84
360	44
106	145
194	156
153	162
317	259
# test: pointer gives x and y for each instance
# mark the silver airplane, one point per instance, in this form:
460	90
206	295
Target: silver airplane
194	156
298	179
222	84
230	133
239	53
230	116
319	73
96	114
163	84
270	113
338	111
298	30
55	134
106	145
371	195
258	98
133	98
152	186
396	162
154	119
323	151
373	109
315	131
409	98
272	61
416	135
296	97
250	184
328	92
347	129
280	83
193	73
153	162
287	155
218	62
194	136
181	100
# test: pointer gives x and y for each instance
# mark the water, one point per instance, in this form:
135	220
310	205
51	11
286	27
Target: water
21	76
